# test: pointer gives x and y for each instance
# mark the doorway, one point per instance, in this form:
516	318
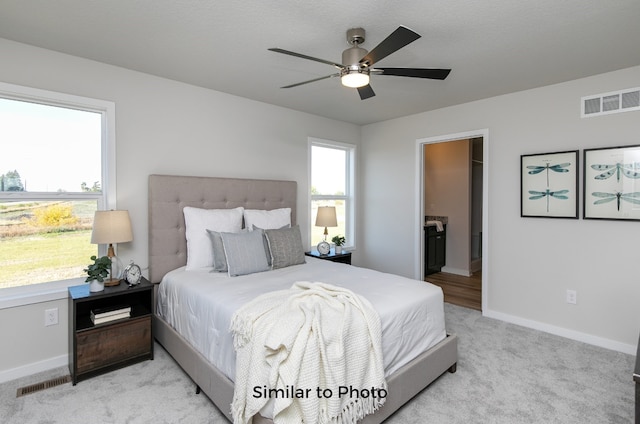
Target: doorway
452	186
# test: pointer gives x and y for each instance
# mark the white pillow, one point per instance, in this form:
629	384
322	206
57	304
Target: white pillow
198	221
267	220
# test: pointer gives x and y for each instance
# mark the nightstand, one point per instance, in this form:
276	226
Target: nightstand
344	257
100	348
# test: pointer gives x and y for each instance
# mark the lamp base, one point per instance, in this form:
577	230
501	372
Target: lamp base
111	282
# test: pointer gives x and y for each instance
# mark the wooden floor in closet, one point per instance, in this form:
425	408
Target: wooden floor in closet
459	290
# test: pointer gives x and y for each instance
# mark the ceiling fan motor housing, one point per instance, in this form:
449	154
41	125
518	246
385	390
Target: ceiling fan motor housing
351	57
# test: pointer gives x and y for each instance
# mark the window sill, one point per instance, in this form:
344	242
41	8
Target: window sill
12	297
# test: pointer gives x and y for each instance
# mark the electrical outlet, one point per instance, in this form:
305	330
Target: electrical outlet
572	297
51	317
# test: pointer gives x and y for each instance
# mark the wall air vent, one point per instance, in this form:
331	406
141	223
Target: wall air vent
608	103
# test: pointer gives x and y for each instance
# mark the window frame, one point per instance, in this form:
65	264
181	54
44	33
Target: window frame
55	290
350	195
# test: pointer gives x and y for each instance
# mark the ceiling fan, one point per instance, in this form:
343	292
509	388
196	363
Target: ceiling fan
357	63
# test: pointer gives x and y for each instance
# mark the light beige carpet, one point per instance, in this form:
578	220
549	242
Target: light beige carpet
506	374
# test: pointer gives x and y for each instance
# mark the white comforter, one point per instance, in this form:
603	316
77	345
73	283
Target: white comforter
199	305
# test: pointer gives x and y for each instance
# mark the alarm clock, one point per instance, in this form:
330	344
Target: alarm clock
132	274
323	248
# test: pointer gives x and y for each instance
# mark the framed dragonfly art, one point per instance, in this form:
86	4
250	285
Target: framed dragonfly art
549	185
612	183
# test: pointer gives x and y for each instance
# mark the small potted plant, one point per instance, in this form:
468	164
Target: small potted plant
97	272
339	242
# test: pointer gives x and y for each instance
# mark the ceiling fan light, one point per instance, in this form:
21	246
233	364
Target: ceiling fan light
355	79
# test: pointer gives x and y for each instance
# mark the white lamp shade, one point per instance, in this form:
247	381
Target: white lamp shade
111	227
326	217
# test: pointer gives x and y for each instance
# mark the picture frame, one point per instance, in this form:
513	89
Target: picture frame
549	185
611	185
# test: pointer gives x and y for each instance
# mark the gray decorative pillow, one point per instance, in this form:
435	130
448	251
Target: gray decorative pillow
219	258
245	252
285	246
266	243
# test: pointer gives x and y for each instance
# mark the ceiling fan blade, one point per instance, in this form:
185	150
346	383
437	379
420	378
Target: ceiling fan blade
394	42
313	80
365	92
304	56
439	74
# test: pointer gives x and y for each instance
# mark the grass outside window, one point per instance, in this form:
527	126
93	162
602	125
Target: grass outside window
35	250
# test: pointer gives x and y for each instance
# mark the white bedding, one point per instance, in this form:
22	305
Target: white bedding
199	305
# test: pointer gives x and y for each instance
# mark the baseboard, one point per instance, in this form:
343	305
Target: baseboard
476	265
563	332
457	271
33	368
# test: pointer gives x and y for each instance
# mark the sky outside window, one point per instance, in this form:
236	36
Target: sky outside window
328	174
52	148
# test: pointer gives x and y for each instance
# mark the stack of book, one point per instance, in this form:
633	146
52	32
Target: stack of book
102	315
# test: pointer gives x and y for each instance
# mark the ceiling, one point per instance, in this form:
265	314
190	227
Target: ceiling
494	47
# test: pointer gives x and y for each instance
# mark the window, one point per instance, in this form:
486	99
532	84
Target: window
54	174
332	170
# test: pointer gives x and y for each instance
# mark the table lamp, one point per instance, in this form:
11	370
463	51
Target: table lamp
326	217
112	227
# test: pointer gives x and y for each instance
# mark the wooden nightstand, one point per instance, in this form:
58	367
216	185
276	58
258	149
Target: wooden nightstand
344	257
96	349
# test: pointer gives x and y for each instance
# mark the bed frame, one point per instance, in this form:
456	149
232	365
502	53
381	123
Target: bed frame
168	195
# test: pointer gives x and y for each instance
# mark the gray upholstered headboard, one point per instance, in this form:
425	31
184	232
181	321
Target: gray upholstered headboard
169	194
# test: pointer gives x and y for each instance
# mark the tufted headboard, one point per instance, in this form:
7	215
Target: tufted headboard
169	194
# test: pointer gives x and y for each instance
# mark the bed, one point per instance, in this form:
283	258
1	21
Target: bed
407	372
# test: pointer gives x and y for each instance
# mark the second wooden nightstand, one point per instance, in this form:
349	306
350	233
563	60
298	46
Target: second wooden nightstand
344	257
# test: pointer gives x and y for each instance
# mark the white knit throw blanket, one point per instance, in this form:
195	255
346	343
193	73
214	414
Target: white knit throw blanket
315	349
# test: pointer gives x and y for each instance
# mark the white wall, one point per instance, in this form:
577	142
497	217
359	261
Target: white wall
532	262
165	127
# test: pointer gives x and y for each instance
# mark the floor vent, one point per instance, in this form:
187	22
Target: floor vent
608	103
27	390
